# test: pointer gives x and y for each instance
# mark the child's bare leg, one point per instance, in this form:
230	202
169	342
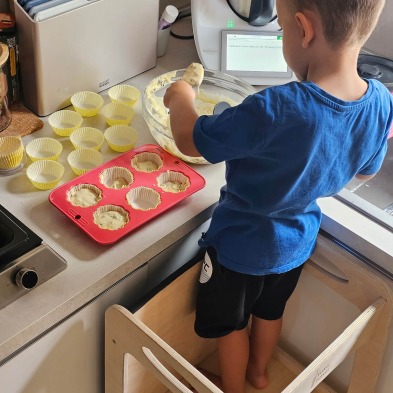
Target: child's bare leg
263	339
233	351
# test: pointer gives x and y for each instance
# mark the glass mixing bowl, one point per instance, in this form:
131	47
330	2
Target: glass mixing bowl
216	87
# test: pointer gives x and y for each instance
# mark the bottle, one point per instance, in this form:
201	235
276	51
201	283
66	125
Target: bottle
168	17
164	28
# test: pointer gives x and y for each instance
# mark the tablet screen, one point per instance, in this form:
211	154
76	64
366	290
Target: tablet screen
254	54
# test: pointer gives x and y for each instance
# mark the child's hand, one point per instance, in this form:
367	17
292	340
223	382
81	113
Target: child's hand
179	99
179	91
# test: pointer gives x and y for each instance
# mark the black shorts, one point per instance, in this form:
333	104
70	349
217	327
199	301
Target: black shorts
226	298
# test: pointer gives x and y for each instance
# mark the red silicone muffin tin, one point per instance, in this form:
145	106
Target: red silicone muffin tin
83	216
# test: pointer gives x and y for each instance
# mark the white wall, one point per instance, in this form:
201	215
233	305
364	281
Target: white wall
4	4
380	41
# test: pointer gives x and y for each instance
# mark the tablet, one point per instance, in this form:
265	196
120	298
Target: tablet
253	54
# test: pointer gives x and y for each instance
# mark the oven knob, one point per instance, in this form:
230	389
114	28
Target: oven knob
26	278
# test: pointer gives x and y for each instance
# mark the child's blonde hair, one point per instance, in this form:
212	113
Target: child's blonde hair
345	22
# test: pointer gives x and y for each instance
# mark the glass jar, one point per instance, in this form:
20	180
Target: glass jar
5	113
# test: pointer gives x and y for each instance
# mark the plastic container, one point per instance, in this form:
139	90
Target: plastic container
164	28
168	17
140	198
90	48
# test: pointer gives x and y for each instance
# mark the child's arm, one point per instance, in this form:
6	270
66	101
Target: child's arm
179	99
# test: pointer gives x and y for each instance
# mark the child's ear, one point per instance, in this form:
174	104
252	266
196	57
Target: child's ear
307	28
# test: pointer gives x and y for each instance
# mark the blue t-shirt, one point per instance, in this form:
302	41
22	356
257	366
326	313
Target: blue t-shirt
284	148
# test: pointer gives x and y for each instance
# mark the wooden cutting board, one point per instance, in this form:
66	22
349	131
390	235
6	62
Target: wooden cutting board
23	122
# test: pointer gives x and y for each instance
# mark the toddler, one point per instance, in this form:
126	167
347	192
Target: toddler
284	147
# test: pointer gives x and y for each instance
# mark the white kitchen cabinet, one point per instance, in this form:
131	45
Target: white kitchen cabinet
70	357
181	252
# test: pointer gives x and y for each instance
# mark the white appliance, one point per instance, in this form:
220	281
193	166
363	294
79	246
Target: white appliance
230	44
93	47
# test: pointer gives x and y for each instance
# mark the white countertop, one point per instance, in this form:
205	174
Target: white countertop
92	267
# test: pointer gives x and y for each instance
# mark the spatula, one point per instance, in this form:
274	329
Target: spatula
220	107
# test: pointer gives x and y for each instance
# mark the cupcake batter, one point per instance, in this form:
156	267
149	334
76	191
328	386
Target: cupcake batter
119	183
146	166
172	186
84	197
194	74
111	220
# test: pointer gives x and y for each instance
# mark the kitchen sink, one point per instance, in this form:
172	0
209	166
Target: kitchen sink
374	197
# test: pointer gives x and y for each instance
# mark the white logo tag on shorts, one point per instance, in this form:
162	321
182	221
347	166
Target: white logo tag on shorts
206	270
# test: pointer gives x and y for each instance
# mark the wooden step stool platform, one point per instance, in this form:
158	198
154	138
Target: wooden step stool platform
159	339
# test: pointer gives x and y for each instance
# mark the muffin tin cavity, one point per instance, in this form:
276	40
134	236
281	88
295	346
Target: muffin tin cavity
143	198
120	198
147	162
111	217
84	195
173	181
116	177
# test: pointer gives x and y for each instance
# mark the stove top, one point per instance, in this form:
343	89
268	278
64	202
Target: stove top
15	238
25	260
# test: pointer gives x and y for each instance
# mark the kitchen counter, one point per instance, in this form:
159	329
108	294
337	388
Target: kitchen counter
92	268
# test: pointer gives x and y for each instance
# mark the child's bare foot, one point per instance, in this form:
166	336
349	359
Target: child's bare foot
211	377
257	380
